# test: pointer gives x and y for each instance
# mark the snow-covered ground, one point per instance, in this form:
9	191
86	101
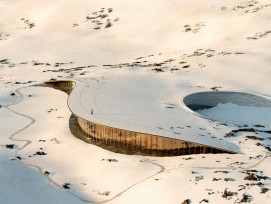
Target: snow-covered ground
189	46
239	114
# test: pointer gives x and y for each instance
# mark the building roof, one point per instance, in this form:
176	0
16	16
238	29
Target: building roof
143	103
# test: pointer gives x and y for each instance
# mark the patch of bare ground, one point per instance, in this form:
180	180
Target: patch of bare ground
101	19
193	28
258	35
252	6
28	24
4	36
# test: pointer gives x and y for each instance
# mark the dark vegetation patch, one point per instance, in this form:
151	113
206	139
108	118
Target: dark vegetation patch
248	185
51	110
83	73
101	19
254	175
55	140
237	163
66	185
193	28
58	64
217	179
35	63
259	126
246	198
28	23
145	57
201	65
264	190
28	82
187	201
106	193
186	66
267	147
110	160
183	62
252	6
194	172
41	153
158	70
211	53
174	69
258	35
10	146
215	88
198	178
69	70
229	179
170	105
4	36
188	158
256	157
228	194
234	132
4	61
7	63
224	172
254	138
108	24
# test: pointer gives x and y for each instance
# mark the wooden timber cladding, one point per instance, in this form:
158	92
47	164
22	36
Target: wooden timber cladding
63	85
134	141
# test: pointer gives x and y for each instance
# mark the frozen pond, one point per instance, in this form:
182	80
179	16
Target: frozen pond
236	107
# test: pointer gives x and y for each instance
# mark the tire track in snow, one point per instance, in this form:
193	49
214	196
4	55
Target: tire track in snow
27	142
162	169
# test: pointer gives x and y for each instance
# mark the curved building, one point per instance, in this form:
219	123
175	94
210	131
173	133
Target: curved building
110	112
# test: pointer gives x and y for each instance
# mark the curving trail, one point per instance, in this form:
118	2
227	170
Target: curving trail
162	169
27	142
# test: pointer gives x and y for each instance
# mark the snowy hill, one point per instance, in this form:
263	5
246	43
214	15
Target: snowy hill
184	47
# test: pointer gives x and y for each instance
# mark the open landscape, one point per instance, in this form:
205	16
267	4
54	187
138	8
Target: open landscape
134	62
